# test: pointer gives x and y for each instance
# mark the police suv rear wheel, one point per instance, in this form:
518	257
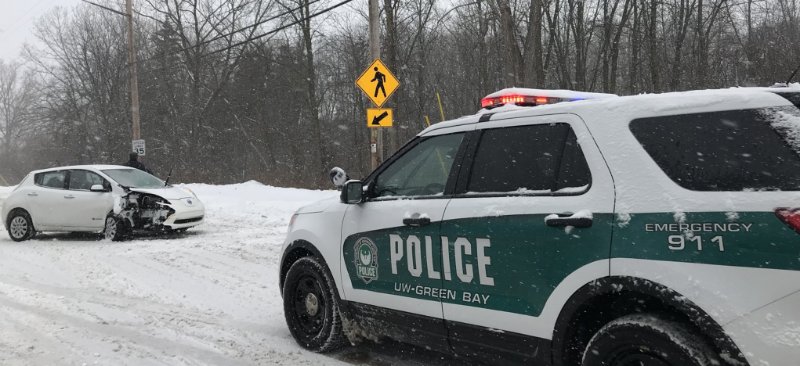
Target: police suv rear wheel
644	339
311	306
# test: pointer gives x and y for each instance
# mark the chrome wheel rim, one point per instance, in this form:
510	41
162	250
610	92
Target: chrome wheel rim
19	227
111	228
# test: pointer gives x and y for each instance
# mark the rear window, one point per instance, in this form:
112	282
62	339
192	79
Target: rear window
54	179
740	150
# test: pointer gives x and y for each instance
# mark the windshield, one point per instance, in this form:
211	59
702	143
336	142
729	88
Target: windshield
134	178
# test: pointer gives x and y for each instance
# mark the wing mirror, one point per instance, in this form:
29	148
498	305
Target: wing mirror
97	188
338	177
353	192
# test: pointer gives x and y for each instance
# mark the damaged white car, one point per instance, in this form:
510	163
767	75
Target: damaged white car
112	199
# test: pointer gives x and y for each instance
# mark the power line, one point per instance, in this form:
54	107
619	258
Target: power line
106	8
259	23
298	21
283	27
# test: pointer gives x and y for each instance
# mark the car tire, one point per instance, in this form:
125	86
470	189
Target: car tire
115	229
311	306
20	226
645	339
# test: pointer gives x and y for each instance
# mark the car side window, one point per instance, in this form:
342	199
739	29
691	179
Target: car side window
421	171
54	179
84	180
532	159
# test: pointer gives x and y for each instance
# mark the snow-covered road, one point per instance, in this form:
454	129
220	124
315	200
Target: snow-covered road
207	297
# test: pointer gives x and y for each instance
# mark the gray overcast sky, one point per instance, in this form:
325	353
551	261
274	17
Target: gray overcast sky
16	22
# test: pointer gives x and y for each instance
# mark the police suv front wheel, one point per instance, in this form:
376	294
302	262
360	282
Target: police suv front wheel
311	306
645	339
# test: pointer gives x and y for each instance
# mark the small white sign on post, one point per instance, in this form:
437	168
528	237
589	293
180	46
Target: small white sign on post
138	147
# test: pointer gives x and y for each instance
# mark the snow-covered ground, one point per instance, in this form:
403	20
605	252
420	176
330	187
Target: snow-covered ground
207	297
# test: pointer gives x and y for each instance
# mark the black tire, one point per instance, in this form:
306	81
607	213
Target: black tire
311	306
115	228
20	226
644	339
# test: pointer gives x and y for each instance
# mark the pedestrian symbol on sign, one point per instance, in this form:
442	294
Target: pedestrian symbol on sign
377	82
380	78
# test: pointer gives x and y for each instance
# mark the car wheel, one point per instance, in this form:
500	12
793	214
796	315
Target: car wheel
311	306
644	339
20	226
115	229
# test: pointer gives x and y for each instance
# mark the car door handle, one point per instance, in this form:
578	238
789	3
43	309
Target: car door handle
416	221
69	197
580	220
33	194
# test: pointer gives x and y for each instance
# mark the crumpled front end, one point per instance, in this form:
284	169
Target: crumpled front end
145	211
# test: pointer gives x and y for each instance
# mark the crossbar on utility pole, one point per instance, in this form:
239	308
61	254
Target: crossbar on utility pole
375	145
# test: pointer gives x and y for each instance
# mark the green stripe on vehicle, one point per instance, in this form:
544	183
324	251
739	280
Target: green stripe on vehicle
744	239
507	263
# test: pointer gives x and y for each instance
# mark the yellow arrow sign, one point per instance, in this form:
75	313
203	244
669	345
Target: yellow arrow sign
377	82
379	117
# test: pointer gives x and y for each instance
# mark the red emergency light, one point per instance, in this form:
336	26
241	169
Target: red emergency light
517	99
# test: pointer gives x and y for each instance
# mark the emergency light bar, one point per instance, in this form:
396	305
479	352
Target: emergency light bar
533	97
520	100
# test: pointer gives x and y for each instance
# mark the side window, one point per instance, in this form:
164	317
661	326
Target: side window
421	171
84	180
738	150
51	179
529	159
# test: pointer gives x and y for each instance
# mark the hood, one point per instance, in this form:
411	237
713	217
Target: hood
318	206
170	193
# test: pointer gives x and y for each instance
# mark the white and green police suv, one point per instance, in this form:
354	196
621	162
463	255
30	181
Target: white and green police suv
642	230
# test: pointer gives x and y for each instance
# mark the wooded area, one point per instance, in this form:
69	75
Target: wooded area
233	90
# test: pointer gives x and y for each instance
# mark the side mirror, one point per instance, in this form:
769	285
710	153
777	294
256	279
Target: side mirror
97	188
353	192
338	177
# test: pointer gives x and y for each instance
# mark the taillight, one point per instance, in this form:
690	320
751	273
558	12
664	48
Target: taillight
790	216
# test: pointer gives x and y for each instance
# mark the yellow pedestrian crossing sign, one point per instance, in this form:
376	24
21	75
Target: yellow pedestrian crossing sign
379	117
377	82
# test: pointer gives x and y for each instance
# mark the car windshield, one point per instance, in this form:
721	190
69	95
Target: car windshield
134	178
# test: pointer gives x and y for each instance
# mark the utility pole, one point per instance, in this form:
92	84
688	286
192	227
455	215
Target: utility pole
134	83
375	134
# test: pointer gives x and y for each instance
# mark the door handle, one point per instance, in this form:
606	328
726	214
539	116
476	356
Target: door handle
32	194
417	221
69	197
579	220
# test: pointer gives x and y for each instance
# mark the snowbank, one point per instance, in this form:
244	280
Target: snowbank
207	297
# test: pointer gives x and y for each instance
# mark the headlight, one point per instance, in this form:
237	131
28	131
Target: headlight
190	191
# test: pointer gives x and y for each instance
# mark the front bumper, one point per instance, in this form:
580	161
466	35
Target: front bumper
182	220
770	335
188	212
